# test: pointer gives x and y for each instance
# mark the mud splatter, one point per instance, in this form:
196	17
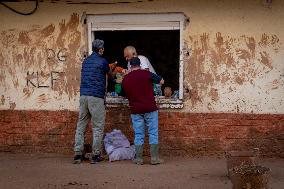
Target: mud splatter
219	40
231	89
275	84
60	86
12	105
18	58
224	77
25	51
7	39
70	31
264	41
204	39
214	94
243	54
47	31
67	30
239	80
265	59
227	60
2	71
27	92
24	38
251	45
2	100
196	60
274	40
42	99
16	82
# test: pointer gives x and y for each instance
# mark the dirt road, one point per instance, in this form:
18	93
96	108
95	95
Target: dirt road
51	171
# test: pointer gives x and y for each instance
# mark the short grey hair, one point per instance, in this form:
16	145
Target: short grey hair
131	49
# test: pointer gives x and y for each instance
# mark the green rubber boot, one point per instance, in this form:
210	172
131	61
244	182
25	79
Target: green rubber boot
138	155
154	150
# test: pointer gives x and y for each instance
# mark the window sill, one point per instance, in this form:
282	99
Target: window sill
162	102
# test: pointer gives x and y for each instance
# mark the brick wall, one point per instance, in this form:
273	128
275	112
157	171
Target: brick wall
190	134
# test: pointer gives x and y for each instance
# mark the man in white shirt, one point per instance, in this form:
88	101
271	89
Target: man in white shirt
129	53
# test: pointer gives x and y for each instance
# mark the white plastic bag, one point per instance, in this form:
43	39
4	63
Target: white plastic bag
117	146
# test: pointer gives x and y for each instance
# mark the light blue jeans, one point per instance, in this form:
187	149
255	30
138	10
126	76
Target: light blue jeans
142	121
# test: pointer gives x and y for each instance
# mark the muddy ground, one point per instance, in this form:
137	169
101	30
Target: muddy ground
49	171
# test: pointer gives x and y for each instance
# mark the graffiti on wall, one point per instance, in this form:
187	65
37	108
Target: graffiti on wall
60	55
40	57
35	79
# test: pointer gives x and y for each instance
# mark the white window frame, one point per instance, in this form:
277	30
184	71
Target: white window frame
155	21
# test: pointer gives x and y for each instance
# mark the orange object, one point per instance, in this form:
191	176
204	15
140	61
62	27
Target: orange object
113	67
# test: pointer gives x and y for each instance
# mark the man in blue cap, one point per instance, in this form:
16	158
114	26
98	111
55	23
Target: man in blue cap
92	94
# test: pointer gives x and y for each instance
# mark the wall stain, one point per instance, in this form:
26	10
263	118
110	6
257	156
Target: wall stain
219	40
2	100
264	41
204	39
251	46
239	80
2	71
7	39
196	60
69	32
12	105
42	99
243	54
24	38
25	51
15	82
270	41
47	31
275	84
27	92
265	59
221	58
214	94
227	60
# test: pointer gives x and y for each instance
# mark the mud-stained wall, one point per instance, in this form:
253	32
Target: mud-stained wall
239	74
233	54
